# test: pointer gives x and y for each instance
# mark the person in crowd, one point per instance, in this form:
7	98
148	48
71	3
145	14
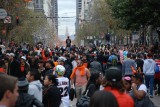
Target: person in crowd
139	89
139	62
127	65
33	62
114	84
121	54
157	79
80	76
48	68
2	66
35	86
68	43
125	52
41	66
112	60
13	65
24	99
62	61
149	71
8	91
74	62
63	85
51	94
94	83
95	65
127	81
24	67
103	99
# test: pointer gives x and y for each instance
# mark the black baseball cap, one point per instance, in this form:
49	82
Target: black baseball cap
113	74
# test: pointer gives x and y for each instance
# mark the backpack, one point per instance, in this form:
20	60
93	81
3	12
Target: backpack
114	61
157	69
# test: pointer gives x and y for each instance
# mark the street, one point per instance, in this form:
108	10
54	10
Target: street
155	99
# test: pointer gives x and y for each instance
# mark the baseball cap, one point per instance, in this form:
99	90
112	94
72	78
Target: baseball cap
113	74
11	54
62	59
23	57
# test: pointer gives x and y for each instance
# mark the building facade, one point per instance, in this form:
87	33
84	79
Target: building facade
54	14
78	11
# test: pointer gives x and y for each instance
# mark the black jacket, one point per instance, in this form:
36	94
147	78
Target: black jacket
26	100
51	96
13	68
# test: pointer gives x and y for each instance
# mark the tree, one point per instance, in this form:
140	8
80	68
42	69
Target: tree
137	15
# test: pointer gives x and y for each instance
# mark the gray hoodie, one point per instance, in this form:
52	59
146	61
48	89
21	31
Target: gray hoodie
149	67
35	88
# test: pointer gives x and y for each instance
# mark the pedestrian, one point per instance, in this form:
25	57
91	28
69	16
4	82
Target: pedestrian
127	64
115	85
94	83
35	86
68	43
103	99
139	89
24	99
79	77
95	66
8	91
51	94
149	71
63	85
13	65
127	81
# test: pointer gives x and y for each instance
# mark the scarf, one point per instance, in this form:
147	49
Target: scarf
81	69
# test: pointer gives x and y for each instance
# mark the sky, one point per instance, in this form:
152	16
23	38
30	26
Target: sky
66	8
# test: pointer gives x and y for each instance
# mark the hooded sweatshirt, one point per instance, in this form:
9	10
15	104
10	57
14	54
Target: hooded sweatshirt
35	88
149	67
26	100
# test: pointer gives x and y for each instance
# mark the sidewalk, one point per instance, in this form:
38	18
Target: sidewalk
156	100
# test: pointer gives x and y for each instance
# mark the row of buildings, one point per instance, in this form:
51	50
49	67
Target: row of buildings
49	8
82	9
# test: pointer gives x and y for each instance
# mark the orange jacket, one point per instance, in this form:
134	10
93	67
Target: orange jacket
124	100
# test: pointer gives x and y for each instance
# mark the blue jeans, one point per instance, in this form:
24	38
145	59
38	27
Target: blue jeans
149	80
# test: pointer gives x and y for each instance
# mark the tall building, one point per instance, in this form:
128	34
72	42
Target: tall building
38	5
54	14
78	11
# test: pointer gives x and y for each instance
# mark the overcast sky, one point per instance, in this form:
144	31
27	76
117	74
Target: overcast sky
66	8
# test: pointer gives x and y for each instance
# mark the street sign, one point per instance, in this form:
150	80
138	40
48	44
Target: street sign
7	19
3	13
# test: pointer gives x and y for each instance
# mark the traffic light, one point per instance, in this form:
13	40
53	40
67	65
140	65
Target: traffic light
17	20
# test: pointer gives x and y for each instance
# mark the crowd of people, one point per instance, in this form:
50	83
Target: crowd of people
111	76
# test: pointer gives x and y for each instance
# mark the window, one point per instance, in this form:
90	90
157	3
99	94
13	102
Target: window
37	1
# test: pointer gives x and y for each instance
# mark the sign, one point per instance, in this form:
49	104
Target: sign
7	19
3	13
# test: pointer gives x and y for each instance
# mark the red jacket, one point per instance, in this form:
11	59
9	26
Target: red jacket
123	99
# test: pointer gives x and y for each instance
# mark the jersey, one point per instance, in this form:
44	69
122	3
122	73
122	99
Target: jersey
63	85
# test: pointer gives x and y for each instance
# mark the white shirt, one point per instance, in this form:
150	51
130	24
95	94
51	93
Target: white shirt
63	85
143	88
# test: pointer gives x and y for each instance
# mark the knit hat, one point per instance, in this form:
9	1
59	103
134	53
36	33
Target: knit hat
113	74
22	82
